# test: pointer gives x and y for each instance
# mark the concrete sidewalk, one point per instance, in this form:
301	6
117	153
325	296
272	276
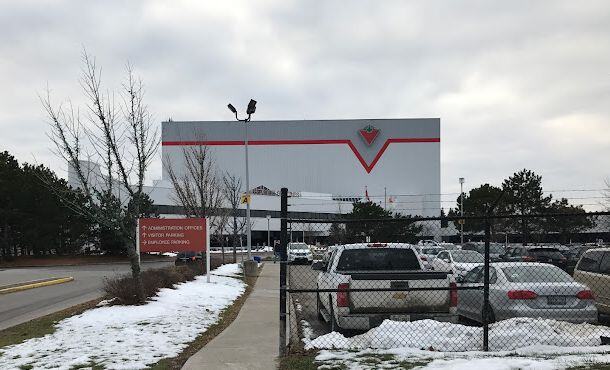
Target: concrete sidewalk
251	341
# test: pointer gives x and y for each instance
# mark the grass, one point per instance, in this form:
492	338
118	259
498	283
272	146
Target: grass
227	316
297	362
45	325
42	326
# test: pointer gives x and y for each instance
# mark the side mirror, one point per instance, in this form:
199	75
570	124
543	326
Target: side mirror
318	266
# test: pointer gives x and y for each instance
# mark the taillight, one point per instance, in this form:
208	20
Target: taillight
529	259
585	294
453	295
522	294
342	297
192	258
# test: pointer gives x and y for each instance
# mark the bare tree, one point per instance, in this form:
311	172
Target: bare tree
197	187
232	194
119	137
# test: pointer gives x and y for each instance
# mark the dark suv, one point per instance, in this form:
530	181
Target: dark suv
537	254
188	258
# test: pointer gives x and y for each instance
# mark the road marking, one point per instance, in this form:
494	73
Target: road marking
32	285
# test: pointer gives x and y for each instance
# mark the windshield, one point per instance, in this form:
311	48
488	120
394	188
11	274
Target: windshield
467	257
536	274
547	252
295	246
378	259
495	248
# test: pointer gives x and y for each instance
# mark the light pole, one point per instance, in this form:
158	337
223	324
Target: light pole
268	231
249	111
462	210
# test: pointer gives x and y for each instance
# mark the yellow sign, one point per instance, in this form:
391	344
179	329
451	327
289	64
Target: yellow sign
245	199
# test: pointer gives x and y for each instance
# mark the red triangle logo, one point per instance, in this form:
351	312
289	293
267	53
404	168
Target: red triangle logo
369	134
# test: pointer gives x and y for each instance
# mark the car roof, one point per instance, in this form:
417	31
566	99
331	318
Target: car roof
512	264
368	245
602	249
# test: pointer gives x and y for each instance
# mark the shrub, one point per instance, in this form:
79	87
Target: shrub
123	288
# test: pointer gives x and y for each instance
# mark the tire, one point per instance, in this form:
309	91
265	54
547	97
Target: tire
491	317
318	308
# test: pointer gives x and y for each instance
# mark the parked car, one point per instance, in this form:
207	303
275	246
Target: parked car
496	251
593	269
427	253
537	254
188	258
457	262
381	266
299	252
527	289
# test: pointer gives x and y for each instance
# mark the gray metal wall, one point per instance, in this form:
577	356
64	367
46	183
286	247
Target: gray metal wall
314	156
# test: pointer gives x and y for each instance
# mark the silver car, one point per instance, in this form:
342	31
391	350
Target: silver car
527	289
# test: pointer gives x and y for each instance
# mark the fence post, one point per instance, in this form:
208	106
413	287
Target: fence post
283	267
486	286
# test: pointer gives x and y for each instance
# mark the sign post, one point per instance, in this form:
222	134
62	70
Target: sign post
138	242
208	251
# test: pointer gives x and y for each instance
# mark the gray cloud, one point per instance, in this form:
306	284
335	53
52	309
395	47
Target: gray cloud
516	84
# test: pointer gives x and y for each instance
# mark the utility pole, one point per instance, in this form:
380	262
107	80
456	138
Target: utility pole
462	210
250	111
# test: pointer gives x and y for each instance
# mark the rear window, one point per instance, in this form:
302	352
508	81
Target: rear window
536	274
186	254
546	252
377	259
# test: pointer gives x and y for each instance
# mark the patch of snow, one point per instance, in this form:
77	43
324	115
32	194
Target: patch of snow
307	331
130	337
430	360
169	254
506	335
230	269
106	302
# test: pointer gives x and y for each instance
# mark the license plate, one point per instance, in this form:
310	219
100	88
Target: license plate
556	301
400	317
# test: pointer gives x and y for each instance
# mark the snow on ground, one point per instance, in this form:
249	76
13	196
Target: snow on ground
400	358
518	343
443	336
230	269
130	337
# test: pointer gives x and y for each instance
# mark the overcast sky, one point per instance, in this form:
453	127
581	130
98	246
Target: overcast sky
516	83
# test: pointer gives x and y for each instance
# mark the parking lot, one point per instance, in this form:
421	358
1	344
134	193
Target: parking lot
303	277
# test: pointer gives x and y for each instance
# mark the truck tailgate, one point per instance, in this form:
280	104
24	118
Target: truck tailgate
402	300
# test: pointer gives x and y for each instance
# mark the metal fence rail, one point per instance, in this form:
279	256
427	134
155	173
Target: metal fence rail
396	282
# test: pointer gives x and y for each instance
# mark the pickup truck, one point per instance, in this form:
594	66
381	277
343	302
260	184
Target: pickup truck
394	267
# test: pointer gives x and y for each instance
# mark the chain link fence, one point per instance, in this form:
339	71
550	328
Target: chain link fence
514	281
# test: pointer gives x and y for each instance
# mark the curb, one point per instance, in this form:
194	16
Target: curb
78	264
32	285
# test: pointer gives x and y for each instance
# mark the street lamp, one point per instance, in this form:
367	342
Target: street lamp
268	231
462	210
249	111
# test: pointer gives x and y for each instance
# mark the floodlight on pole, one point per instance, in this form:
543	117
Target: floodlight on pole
249	111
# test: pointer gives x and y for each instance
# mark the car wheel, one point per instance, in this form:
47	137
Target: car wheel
491	318
319	307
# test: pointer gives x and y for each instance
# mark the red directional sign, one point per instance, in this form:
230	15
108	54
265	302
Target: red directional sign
172	234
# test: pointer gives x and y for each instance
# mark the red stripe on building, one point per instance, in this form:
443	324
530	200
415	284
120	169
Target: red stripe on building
368	167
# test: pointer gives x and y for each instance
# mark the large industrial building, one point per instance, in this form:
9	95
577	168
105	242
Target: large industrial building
325	164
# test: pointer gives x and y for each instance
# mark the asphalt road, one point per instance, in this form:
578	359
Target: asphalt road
19	307
303	277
